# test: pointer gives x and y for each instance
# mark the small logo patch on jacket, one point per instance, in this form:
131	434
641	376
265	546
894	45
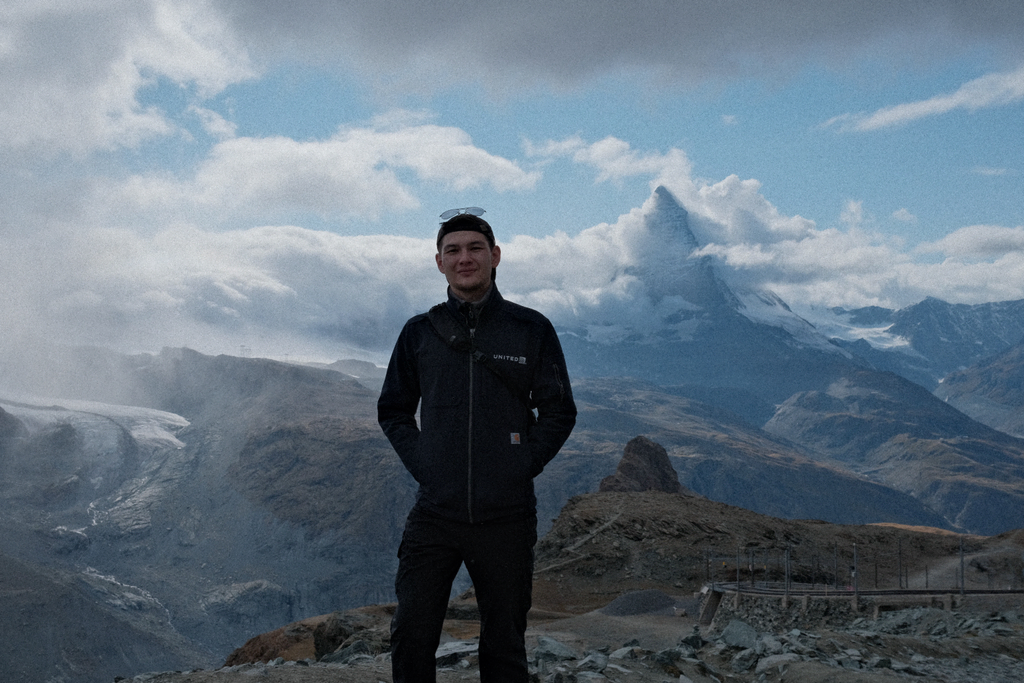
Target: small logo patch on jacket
515	438
515	359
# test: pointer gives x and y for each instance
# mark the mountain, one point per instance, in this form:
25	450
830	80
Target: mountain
896	433
249	493
748	346
190	495
625	568
79	626
751	355
991	391
722	458
926	341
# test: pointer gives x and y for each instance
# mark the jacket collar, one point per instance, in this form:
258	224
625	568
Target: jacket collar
490	303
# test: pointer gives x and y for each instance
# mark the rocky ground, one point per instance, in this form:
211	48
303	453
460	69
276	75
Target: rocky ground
623	577
649	637
617	597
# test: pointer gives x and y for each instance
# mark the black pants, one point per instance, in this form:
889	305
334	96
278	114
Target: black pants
499	558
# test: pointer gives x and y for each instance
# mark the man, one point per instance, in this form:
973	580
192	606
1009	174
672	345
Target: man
477	366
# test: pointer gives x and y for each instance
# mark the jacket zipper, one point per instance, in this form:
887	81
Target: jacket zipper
469	454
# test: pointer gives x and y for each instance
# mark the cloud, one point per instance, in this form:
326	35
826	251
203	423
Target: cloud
360	171
288	290
72	72
278	289
978	241
991	90
904	215
213	123
988	171
614	159
434	43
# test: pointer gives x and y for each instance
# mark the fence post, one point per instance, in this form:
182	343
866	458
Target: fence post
835	569
787	574
856	589
963	577
899	565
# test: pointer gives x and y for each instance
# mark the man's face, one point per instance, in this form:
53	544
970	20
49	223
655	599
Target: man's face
466	259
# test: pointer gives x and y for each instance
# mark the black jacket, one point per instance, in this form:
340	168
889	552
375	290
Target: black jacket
478	446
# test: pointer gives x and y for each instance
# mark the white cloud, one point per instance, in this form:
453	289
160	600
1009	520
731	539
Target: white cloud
213	123
614	159
310	293
904	216
853	214
737	213
360	171
72	72
991	90
988	171
978	241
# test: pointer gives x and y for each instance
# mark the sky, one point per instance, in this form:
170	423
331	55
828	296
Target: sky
265	178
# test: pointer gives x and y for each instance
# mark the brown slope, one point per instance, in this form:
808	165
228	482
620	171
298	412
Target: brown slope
899	435
721	457
606	544
991	392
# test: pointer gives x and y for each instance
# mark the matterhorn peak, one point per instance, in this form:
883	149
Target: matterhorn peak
666	263
667	218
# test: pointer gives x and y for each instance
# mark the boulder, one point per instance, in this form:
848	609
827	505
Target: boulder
644	467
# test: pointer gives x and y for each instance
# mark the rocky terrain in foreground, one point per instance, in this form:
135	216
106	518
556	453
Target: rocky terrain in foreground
972	643
623	575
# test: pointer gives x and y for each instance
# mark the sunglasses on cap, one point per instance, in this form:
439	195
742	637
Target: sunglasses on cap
471	210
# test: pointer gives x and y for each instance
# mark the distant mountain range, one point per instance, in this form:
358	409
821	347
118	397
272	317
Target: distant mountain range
931	339
220	497
992	391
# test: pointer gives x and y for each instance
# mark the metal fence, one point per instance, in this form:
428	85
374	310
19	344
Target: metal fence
851	568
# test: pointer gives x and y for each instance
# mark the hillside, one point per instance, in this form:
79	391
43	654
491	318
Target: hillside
723	458
897	434
605	544
69	626
991	392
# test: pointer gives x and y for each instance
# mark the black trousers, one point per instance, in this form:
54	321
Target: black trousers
499	559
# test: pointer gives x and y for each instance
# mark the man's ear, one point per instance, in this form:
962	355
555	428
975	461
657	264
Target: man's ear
437	258
495	255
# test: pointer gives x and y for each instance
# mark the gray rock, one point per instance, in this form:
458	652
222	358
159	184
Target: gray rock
670	656
594	661
739	634
773	661
694	640
645	466
455	651
549	649
743	660
345	654
769	645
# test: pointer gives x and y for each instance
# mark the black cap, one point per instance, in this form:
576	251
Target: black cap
465	221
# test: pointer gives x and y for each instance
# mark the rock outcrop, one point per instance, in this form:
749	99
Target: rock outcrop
644	467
